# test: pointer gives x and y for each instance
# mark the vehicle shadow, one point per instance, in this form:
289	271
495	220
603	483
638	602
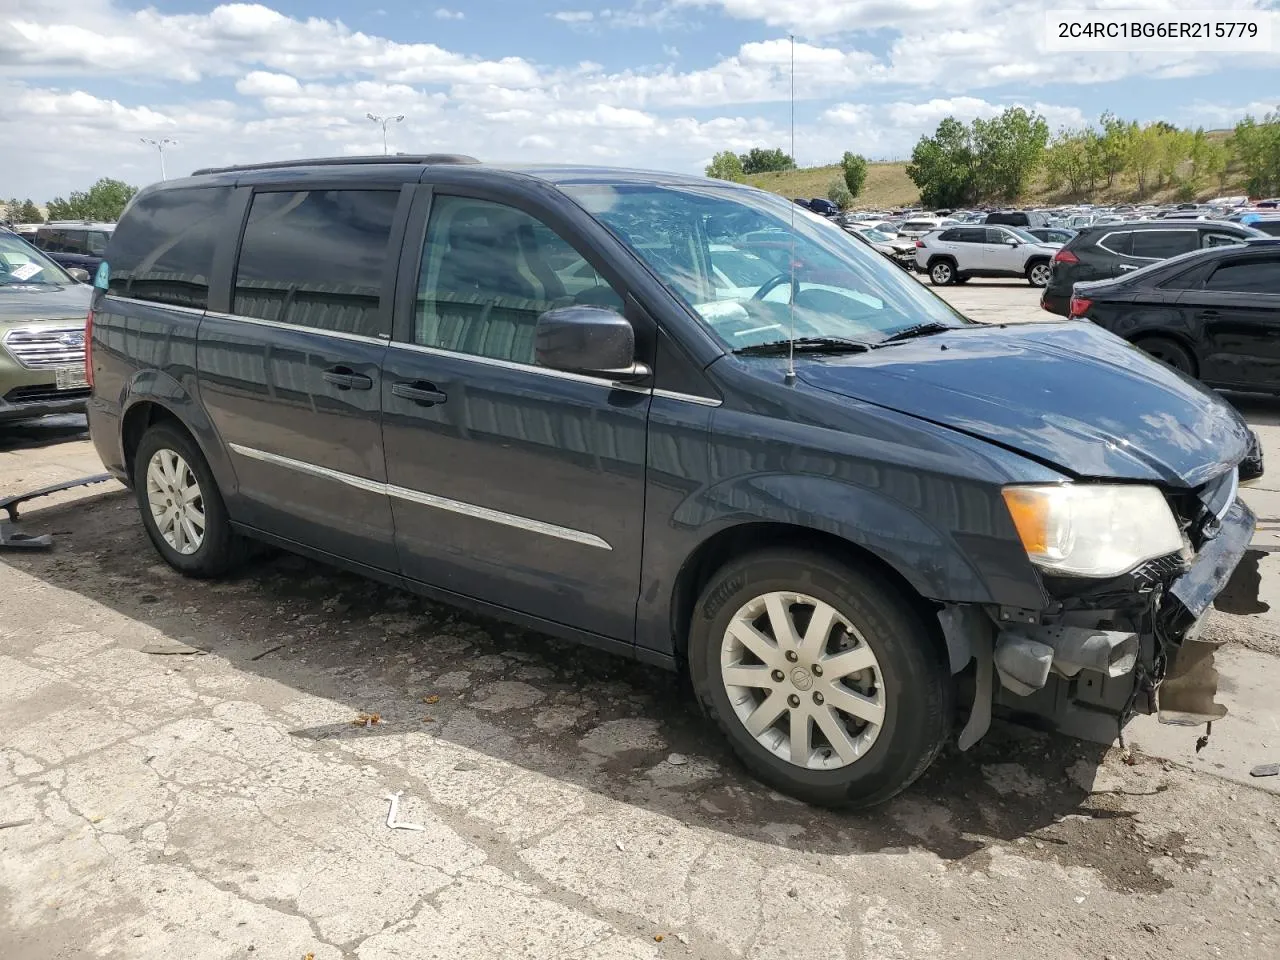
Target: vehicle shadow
42	432
1259	409
586	718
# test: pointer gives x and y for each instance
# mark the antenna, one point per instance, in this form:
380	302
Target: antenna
791	334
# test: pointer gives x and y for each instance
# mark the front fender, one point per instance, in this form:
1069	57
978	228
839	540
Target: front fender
980	562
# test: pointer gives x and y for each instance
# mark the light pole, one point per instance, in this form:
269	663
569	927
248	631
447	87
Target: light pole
160	145
384	121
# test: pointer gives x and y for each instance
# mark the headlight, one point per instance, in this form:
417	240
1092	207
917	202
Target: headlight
1092	530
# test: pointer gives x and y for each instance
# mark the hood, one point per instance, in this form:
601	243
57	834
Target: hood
1068	394
22	303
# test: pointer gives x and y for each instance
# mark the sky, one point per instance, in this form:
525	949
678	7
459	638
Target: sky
660	84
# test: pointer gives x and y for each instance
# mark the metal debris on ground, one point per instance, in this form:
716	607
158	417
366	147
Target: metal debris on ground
1265	770
394	809
677	759
431	699
366	719
173	649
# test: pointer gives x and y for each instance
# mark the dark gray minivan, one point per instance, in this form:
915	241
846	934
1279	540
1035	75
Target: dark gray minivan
649	413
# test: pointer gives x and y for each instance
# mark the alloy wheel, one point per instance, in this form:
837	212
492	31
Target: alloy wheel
940	273
176	501
1040	275
802	680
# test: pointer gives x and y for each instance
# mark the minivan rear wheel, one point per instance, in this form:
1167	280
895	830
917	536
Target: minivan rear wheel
1169	353
822	676
941	273
182	510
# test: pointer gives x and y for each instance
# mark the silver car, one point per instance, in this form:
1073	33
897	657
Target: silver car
979	250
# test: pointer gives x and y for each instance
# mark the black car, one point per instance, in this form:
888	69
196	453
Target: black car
1018	218
824	207
1212	314
532	392
74	244
1107	250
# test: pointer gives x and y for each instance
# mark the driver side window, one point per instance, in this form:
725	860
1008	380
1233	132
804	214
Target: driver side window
489	271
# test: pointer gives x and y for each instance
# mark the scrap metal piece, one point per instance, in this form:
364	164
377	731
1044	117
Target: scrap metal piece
14	539
1186	697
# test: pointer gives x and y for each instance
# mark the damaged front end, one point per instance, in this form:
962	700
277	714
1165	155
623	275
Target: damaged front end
1102	651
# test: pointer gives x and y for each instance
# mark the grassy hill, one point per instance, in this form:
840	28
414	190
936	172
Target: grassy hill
887	186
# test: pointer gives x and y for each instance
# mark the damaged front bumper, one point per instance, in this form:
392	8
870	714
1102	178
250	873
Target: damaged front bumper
1104	652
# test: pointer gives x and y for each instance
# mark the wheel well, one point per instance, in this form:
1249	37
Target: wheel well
1139	339
746	538
1034	260
943	256
140	418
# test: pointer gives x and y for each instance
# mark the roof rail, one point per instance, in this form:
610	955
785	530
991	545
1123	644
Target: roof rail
343	161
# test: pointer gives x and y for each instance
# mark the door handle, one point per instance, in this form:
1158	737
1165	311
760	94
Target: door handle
1126	267
419	391
344	378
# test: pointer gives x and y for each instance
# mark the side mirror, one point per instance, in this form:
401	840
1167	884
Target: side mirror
78	274
590	340
1014	243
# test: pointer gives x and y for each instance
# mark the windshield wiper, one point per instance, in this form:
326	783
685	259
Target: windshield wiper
919	330
804	345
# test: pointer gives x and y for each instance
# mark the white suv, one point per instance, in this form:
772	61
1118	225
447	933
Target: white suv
958	253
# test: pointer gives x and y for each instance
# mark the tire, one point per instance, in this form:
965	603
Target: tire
902	679
942	273
170	470
1169	353
1038	273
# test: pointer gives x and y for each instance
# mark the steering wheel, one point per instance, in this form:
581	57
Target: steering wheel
769	285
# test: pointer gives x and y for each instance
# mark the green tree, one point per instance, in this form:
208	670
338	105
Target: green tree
725	165
1008	149
1114	145
1143	155
1073	160
1173	149
105	200
1256	145
759	160
942	166
855	172
838	193
28	212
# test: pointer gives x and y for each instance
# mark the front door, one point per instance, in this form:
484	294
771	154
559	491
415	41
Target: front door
292	375
1000	254
511	483
1237	311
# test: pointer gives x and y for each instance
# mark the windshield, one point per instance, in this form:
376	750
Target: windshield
727	253
21	263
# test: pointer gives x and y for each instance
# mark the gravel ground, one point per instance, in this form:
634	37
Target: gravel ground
182	774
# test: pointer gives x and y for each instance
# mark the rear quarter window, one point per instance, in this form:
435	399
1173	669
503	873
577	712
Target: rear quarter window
162	251
1117	241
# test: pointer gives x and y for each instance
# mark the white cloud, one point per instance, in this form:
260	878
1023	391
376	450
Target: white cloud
573	16
444	14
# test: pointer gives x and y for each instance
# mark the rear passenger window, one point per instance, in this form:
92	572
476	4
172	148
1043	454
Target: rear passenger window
488	272
162	250
316	258
1162	244
1247	276
1118	242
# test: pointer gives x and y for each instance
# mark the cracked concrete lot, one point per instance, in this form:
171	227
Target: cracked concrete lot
180	776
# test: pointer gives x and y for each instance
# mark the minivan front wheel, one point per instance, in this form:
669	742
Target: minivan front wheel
823	678
942	273
182	510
